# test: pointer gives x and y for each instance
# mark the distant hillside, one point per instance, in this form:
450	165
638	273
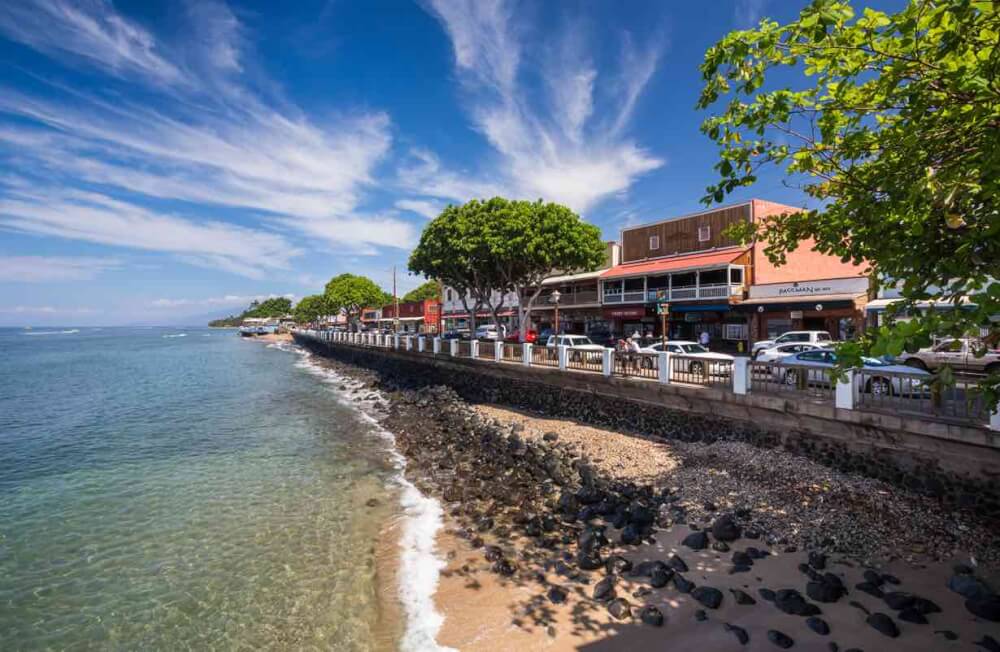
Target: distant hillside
275	307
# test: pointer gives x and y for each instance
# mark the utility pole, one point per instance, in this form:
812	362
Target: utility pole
395	303
440	330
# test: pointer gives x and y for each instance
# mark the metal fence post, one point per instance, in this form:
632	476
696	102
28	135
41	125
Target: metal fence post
436	345
526	350
844	396
409	342
995	418
453	348
498	350
607	361
563	356
474	349
663	368
741	375
395	341
421	344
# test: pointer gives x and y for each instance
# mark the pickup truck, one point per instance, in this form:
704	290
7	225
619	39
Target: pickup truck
811	337
959	353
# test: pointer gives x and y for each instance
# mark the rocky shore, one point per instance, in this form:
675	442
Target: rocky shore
574	537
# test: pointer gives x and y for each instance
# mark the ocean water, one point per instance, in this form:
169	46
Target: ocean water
183	488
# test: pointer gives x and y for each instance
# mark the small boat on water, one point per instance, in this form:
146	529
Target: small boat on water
254	326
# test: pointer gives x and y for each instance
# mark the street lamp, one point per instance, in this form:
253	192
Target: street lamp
554	299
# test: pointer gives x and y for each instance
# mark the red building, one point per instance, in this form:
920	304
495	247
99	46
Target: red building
414	316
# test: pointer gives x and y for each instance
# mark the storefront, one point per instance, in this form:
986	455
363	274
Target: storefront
833	305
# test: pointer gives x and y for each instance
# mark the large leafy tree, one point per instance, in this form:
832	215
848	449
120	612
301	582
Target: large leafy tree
894	131
352	293
311	308
492	247
273	307
426	290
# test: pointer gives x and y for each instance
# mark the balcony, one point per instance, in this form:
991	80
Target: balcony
690	293
567	298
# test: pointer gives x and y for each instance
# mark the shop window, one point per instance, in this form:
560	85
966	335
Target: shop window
634	285
734	331
776	327
654	242
684	280
736	275
704	233
449	294
713	277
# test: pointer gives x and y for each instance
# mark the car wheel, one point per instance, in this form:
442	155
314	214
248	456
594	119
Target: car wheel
697	368
916	363
647	362
791	377
879	386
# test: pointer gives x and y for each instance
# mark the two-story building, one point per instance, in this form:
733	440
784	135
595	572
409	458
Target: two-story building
455	316
414	316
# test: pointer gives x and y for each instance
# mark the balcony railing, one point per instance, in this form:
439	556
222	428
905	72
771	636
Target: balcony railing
568	298
691	293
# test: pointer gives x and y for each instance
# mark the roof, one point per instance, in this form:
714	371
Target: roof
675	264
582	276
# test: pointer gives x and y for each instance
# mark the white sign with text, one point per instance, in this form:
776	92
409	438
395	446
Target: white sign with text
857	285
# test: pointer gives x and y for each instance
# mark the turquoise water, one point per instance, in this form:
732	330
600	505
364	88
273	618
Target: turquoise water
182	488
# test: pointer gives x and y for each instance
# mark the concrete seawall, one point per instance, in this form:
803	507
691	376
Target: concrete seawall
958	464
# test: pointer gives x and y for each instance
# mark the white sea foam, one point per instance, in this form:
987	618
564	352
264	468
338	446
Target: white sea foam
420	565
176	335
69	332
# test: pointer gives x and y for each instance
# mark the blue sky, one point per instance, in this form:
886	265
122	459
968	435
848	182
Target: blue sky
160	162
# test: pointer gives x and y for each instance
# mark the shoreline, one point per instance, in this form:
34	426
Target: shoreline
516	537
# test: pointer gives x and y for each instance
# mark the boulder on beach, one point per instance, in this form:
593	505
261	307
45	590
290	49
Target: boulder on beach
740	633
696	541
968	587
708	596
725	528
741	597
883	624
605	589
660	577
651	616
620	608
818	625
780	639
988	608
677	564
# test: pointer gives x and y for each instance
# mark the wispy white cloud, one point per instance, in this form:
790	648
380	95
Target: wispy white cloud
94	217
47	310
208	137
422	207
572	149
87	30
47	269
220	301
748	13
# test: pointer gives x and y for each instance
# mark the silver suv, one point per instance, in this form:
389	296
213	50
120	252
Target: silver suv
811	337
961	354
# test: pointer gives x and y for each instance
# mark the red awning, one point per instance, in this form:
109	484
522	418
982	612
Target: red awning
674	264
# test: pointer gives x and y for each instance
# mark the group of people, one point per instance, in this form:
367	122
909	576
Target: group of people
635	342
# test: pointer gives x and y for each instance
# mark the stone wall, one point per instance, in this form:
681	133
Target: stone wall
960	470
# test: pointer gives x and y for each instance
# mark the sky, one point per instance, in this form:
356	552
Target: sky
166	162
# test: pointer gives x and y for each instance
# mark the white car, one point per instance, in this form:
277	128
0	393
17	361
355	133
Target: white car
487	332
575	342
822	359
783	350
717	363
811	337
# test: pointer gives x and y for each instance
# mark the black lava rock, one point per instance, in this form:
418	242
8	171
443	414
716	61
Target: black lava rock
898	600
912	615
700	616
651	616
740	633
766	594
677	564
791	602
742	559
871	589
883	624
780	639
968	587
742	597
987	608
682	584
605	589
696	541
557	594
720	546
632	535
617	564
818	625
824	591
739	569
646	568
951	636
873	577
817	560
660	577
707	596
725	528
989	643
620	609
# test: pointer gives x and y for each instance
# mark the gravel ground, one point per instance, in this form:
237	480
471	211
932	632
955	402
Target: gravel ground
792	498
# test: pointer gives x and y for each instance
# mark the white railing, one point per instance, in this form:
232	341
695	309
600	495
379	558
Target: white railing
868	389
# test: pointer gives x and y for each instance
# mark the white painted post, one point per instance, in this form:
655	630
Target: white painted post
395	341
995	418
409	342
526	349
741	375
607	361
844	397
498	350
474	349
436	346
421	344
663	368
563	356
453	348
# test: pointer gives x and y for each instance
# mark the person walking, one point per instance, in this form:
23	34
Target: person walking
703	339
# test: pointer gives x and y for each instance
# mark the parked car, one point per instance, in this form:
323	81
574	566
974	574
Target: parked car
958	353
457	334
487	332
717	363
531	336
783	350
821	359
578	345
602	336
812	337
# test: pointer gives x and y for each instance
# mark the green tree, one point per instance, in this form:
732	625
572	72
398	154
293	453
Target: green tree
487	248
426	290
894	133
311	308
273	307
352	293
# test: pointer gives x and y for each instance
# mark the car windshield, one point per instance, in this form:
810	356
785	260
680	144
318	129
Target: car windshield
874	362
577	341
693	348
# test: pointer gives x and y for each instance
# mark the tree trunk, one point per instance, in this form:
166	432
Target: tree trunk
525	312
